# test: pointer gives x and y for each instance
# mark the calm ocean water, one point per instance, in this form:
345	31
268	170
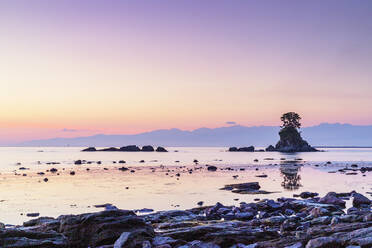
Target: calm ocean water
36	157
153	186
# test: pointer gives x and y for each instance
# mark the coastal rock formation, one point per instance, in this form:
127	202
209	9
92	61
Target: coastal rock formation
110	149
290	137
291	141
286	222
161	149
242	149
270	148
130	148
90	149
103	228
147	149
16	237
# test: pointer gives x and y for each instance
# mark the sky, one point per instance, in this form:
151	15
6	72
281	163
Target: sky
75	67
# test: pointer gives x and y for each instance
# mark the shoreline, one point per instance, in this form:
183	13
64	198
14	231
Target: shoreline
286	222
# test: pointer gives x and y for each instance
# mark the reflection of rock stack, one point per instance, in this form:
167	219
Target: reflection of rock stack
290	175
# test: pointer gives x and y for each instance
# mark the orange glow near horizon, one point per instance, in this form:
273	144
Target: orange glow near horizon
131	68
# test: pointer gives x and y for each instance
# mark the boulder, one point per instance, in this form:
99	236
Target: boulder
161	149
199	244
323	242
131	148
270	148
246	149
306	194
242	149
133	239
147	149
110	149
331	198
90	149
242	186
16	238
103	228
211	168
359	199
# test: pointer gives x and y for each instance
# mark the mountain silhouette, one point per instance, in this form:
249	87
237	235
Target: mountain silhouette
324	134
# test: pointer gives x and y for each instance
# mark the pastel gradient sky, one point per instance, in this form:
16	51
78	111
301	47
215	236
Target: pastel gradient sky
73	68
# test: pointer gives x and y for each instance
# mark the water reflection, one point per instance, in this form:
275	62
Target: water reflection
291	178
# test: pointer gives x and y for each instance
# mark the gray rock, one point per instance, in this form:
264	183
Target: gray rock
147	149
359	199
161	149
131	148
90	149
270	148
15	238
324	242
296	245
133	239
199	244
159	240
331	198
102	228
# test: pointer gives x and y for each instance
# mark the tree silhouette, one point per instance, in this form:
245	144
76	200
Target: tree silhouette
291	119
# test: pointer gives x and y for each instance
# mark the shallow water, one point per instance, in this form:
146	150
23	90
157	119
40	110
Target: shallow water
150	187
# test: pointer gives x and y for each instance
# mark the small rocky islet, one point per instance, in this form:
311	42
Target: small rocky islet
130	148
290	138
312	222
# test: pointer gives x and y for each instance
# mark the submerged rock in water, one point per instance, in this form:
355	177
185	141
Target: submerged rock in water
211	168
251	188
242	186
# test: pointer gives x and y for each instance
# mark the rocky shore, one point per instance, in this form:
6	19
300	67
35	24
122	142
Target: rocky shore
306	221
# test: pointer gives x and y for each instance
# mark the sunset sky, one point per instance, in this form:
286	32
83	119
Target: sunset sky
74	68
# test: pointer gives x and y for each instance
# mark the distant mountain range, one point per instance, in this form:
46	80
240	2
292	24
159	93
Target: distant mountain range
321	135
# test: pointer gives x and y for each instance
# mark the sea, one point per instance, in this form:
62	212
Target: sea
177	179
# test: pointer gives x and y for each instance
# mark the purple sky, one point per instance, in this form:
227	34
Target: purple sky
132	66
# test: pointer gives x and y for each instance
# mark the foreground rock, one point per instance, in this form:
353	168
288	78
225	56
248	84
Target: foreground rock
286	222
